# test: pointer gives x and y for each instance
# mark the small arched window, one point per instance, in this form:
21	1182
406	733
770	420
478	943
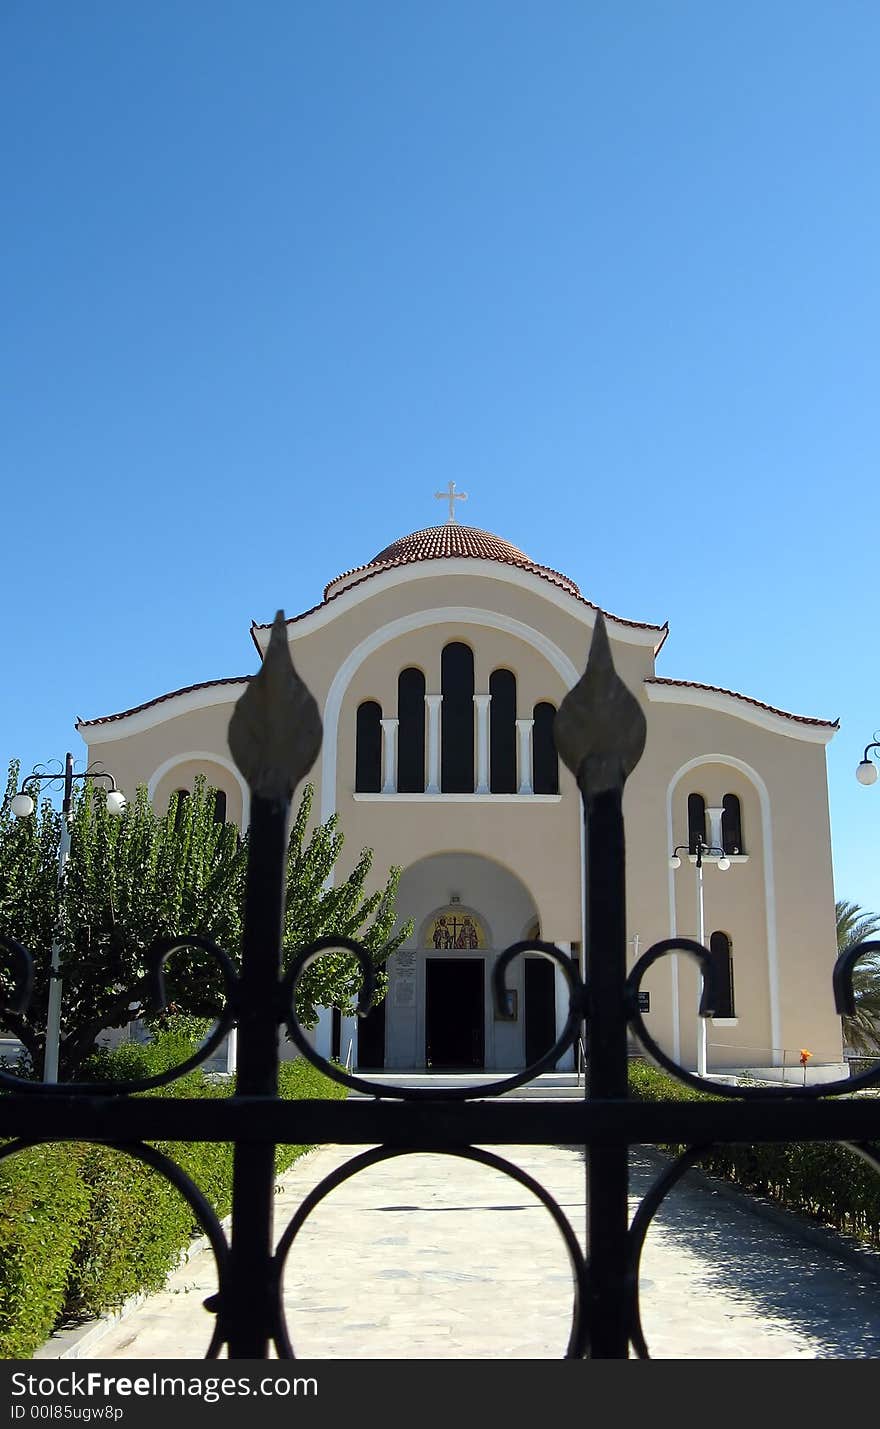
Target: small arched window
731	825
457	719
368	756
502	732
411	732
544	757
219	807
696	821
182	795
722	966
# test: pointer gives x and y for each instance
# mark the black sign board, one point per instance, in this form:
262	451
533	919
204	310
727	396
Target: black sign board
644	1002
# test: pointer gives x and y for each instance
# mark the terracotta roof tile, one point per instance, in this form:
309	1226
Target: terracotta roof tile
759	704
453	541
160	699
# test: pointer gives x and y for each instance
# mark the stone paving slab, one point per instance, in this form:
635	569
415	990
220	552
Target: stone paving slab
433	1257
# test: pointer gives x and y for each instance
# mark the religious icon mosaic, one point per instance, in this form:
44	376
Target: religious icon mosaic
455	928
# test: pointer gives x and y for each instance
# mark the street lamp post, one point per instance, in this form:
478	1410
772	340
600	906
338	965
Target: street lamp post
700	850
23	805
866	773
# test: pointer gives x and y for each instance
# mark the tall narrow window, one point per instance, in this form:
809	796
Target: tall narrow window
457	720
731	825
544	757
368	758
182	796
219	807
696	821
411	732
502	732
722	966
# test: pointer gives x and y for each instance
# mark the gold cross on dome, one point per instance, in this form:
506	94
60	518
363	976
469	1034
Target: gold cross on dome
451	495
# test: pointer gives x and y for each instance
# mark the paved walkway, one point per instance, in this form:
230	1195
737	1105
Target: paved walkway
433	1257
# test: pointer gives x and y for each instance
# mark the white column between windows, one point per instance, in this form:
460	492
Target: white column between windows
433	703
566	1061
324	1032
348	1038
524	730
389	755
715	826
482	706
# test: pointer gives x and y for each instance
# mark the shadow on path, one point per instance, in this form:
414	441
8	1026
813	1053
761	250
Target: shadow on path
769	1270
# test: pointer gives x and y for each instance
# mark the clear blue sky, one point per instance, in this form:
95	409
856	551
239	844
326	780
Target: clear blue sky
274	272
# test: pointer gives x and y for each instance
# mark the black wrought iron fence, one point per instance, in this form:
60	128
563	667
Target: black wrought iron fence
275	735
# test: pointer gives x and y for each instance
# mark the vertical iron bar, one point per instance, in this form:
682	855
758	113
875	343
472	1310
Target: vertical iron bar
249	1315
600	733
607	1166
52	1054
274	737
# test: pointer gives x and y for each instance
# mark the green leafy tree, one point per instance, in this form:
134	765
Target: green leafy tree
314	909
131	880
854	925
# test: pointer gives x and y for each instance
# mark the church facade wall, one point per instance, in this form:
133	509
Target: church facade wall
775	903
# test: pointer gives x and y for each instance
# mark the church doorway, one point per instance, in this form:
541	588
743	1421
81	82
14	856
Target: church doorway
454	1013
540	1007
371	1039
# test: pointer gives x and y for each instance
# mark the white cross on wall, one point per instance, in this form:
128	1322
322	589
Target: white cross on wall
451	496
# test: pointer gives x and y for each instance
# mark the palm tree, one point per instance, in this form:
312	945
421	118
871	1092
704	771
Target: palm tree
854	925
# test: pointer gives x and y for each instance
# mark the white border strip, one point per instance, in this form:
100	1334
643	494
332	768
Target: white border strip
203	756
167	707
740	707
445	568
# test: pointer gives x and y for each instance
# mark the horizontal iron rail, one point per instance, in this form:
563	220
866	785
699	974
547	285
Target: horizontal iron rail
426	1124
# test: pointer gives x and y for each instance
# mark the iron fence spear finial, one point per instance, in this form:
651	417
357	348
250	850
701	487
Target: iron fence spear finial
275	729
600	726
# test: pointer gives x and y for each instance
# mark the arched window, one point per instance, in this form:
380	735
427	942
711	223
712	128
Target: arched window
457	719
696	821
502	732
219	807
722	966
731	825
544	757
182	796
368	758
411	732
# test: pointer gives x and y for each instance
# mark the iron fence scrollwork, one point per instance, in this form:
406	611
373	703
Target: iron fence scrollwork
275	736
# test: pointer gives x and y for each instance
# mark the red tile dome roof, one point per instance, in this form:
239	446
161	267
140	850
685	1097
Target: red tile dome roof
451	541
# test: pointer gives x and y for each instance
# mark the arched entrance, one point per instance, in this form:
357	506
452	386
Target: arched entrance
439	1013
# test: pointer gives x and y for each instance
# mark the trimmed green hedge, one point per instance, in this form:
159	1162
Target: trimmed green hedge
44	1207
83	1227
814	1178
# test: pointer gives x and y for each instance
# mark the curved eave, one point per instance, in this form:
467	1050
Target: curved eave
631	632
711	697
164	707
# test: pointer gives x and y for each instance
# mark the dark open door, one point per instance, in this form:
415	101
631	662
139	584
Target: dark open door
371	1040
540	999
454	1014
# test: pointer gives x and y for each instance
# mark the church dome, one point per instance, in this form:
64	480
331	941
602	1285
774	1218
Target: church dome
451	541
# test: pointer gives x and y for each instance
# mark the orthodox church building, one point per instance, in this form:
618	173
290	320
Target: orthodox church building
438	667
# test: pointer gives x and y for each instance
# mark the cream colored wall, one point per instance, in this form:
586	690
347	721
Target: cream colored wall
134	759
786	883
319	654
784	893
